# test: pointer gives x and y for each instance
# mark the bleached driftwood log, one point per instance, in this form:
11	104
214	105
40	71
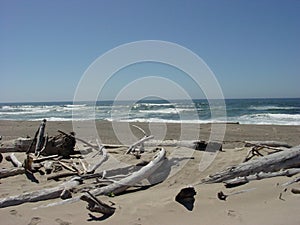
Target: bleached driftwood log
39	195
123	184
134	178
270	163
11	172
259	176
193	144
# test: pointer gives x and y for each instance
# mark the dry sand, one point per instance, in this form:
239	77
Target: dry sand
156	205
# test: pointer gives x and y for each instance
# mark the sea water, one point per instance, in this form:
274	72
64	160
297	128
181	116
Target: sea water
243	111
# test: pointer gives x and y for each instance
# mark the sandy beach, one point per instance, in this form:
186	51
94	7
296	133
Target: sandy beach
157	205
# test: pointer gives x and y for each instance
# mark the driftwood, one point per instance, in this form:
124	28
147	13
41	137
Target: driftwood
11	172
16	145
139	142
134	178
274	144
95	205
193	144
92	168
259	176
13	159
39	195
123	184
270	163
57	176
40	138
297	179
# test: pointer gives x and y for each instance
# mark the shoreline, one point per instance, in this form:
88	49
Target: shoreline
10	129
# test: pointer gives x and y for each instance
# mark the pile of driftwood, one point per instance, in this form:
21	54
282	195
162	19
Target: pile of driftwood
56	158
281	160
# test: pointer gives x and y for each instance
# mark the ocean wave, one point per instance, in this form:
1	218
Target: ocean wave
268	119
272	107
167	111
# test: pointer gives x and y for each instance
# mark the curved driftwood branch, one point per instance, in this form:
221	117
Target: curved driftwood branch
270	163
140	129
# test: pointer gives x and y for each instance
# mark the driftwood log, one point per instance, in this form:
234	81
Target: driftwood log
96	205
270	163
193	144
259	176
11	172
39	195
274	144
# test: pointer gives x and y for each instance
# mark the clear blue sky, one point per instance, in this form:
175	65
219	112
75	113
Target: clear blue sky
253	47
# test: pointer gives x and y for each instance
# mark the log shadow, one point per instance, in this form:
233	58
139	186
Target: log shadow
31	177
101	218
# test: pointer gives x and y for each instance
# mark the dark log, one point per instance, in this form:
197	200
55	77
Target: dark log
40	138
95	205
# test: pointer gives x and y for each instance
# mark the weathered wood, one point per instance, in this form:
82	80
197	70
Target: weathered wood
15	145
124	183
66	166
270	163
139	142
59	175
297	179
40	138
11	172
243	180
96	205
41	159
267	143
134	178
92	168
40	195
13	159
193	144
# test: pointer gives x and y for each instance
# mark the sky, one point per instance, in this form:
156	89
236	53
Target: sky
252	47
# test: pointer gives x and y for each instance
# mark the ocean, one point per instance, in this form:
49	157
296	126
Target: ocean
243	111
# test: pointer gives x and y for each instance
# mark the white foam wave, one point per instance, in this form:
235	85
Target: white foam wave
166	111
269	118
272	107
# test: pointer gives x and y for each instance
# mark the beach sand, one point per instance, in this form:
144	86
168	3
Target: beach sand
157	205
